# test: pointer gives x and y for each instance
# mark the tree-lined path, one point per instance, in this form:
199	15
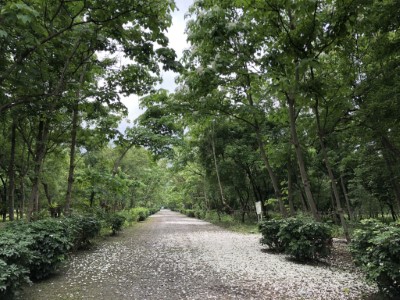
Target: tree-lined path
171	256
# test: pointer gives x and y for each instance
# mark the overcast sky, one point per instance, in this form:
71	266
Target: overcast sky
177	39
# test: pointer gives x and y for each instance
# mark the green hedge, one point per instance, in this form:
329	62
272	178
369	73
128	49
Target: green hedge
302	238
136	214
270	235
35	250
376	249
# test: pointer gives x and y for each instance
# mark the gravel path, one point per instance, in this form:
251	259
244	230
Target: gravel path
170	256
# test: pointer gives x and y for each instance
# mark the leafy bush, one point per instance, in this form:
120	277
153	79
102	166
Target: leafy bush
199	214
190	213
270	234
305	239
141	212
115	221
376	249
51	241
15	256
51	246
12	277
302	238
35	250
82	229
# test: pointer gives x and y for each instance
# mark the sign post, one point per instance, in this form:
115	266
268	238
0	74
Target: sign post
259	211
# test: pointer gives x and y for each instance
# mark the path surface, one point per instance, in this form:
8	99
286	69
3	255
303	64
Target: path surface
170	256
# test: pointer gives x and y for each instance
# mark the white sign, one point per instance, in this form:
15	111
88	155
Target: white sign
258	208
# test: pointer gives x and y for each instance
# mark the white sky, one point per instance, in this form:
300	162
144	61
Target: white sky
177	40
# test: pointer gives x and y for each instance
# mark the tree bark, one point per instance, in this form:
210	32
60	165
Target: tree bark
346	197
40	152
11	174
290	189
332	178
221	190
263	154
389	163
74	131
300	159
68	197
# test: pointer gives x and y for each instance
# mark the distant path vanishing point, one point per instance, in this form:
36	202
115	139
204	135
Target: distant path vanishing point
170	256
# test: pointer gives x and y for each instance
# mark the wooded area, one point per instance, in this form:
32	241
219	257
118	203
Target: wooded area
292	103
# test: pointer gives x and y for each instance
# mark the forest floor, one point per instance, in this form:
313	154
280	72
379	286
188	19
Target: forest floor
171	256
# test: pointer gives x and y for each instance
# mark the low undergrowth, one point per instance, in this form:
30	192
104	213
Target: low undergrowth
229	221
33	251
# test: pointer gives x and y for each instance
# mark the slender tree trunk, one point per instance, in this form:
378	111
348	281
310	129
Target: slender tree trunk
68	197
221	190
38	164
346	197
11	174
74	131
290	188
261	147
22	188
332	178
389	164
3	199
300	159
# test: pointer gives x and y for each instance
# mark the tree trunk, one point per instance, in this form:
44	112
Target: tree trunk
22	187
11	174
38	164
68	197
332	178
264	156
300	159
389	164
346	196
221	190
290	189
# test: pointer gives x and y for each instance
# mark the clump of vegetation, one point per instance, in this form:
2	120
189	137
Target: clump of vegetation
115	222
376	249
15	257
302	238
83	229
32	251
270	234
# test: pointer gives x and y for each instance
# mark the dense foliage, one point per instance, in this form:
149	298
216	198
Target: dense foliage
35	250
376	249
302	238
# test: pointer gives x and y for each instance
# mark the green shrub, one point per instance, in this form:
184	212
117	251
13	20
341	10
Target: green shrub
190	213
51	244
139	213
82	229
199	214
15	256
12	277
115	221
376	249
302	238
305	239
35	250
270	234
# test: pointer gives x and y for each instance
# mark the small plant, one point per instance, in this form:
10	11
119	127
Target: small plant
139	213
305	239
376	249
270	235
115	221
190	213
15	256
302	238
82	229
